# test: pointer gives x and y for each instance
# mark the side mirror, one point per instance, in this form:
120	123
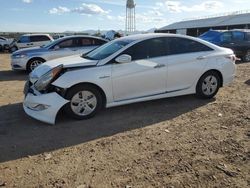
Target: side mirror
56	47
124	58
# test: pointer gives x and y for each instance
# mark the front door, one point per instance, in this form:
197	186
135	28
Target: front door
143	77
63	49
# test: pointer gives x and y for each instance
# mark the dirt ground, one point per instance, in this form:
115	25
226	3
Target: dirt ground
175	142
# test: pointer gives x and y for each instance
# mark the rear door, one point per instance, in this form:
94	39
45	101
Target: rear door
145	75
241	44
227	40
23	42
186	60
39	40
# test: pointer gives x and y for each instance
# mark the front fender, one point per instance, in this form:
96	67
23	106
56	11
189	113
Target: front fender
98	75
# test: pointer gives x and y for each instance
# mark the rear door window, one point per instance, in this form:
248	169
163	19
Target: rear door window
98	42
24	39
81	42
238	36
182	46
39	38
226	37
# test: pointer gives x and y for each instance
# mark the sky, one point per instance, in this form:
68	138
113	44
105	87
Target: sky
81	15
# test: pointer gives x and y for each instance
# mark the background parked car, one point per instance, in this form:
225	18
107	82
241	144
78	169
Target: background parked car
7	44
30	58
33	40
237	40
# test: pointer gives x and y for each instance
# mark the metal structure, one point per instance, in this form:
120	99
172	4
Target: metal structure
233	20
130	25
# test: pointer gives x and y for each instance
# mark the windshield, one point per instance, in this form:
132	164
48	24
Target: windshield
106	50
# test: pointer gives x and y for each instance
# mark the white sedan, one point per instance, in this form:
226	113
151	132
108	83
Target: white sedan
127	70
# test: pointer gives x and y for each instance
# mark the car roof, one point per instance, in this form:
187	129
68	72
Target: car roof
42	34
138	37
85	36
141	37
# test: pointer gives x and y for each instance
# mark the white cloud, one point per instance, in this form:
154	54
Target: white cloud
27	1
177	6
60	10
86	9
89	9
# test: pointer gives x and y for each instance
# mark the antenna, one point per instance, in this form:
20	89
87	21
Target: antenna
130	25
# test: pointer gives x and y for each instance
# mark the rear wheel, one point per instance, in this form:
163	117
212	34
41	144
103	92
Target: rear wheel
246	57
85	102
208	85
33	63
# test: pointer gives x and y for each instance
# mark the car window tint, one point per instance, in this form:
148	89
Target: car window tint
238	36
148	49
24	39
226	37
97	42
44	38
157	47
39	38
66	44
182	45
84	42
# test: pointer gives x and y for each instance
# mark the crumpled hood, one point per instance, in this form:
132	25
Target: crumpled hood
67	62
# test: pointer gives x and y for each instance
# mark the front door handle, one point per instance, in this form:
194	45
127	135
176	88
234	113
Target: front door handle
201	58
158	66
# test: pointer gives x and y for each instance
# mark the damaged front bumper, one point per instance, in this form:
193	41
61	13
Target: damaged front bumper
43	107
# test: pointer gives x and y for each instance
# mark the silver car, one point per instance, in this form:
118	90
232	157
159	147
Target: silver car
28	59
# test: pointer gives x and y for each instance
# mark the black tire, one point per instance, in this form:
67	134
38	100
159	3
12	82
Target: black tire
29	64
73	92
212	88
246	57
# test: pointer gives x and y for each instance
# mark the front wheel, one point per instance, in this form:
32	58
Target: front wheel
85	102
33	63
208	85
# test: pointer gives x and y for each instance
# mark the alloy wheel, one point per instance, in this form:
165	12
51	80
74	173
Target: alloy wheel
83	103
209	85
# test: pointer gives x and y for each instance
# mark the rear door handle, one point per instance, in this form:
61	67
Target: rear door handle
158	66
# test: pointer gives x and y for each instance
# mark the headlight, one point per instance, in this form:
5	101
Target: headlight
47	78
19	56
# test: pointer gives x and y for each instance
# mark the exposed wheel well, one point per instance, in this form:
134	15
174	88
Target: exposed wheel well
219	74
104	98
32	59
